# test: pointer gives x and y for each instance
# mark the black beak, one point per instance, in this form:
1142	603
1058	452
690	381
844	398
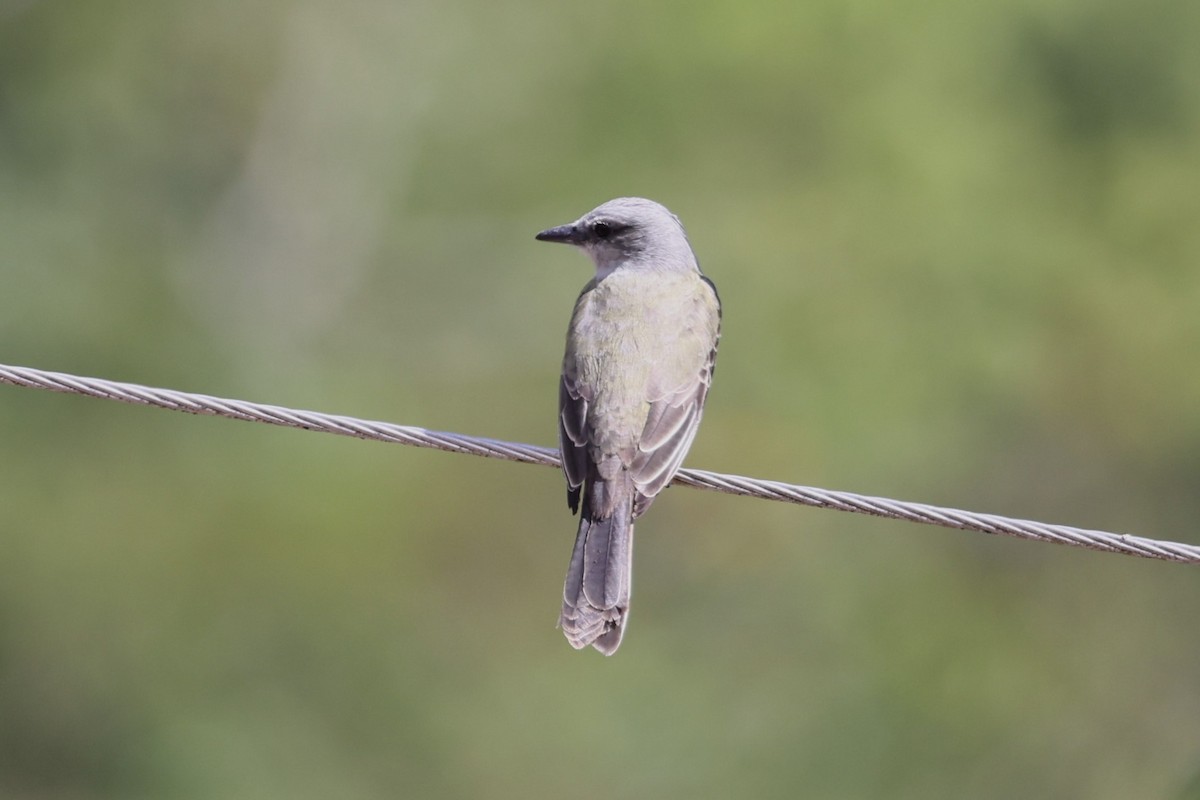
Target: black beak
567	234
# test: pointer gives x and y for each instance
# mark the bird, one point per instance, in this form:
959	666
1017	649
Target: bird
641	347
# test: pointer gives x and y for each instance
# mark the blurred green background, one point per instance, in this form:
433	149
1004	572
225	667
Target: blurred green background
958	246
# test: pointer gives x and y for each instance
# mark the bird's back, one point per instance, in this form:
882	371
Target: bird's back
634	337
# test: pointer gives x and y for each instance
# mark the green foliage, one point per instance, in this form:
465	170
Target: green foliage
958	248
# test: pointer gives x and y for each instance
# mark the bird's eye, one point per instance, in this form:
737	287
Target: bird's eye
602	230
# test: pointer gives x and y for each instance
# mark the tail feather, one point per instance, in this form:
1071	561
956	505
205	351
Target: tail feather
596	592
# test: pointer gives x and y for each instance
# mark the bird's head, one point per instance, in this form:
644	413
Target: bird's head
629	232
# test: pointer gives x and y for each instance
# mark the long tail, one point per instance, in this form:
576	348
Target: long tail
596	592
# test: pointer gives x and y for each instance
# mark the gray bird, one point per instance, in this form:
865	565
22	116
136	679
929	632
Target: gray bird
639	362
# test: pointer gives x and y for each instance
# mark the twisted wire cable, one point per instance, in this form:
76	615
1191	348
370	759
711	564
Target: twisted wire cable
191	403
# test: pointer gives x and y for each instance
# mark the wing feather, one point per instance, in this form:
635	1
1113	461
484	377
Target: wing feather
670	429
572	437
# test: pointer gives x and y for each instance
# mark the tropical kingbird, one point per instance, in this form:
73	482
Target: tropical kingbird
639	362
